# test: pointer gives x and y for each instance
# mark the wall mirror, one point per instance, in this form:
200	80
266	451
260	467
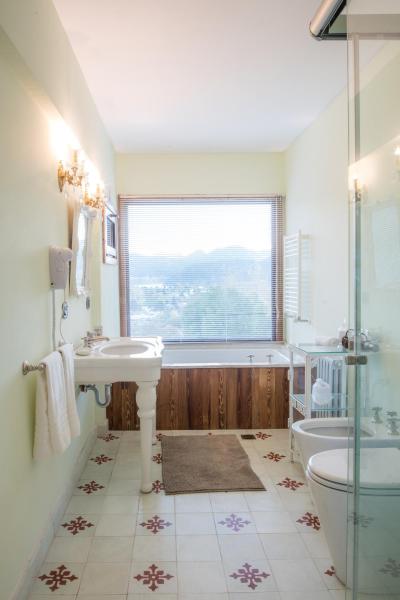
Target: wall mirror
82	231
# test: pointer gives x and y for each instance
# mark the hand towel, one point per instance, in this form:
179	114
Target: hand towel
52	431
67	355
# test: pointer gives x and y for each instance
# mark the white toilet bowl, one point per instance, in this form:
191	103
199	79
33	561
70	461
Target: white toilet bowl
328	474
317	435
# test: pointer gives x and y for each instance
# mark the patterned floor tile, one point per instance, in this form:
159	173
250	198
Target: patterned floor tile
234	523
249	576
156	577
155	525
77	525
58	579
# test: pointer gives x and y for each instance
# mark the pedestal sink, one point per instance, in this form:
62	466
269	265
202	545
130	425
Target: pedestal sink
128	359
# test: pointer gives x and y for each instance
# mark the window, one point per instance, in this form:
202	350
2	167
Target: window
201	269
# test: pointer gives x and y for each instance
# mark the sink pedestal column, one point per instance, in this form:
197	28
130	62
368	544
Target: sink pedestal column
146	401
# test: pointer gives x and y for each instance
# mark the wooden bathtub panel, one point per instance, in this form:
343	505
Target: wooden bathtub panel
227	398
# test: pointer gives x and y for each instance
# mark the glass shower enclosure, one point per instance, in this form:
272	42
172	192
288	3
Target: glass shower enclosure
373	545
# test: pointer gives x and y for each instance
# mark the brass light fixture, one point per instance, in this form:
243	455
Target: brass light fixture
73	176
97	201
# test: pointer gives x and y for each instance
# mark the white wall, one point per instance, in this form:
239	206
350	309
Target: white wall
40	82
317	204
159	174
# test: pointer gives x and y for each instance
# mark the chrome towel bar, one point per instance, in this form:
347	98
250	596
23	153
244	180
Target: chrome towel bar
27	367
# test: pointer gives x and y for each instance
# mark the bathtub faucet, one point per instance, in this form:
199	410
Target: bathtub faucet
392	421
376	410
250	357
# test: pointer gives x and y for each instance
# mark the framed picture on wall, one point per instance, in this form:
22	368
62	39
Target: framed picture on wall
110	234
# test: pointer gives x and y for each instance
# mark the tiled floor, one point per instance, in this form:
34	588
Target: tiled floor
117	544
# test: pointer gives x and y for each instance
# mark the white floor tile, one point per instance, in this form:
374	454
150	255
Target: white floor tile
111	549
120	505
192	503
195	524
156	502
263	501
154	549
283	546
123	487
234	523
273	522
228	502
249	576
197	548
85	505
115	526
297	575
153	578
203	597
105	578
316	545
241	548
320	595
255	596
146	597
127	471
69	549
204	577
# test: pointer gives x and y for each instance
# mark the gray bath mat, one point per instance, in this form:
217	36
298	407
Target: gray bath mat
206	463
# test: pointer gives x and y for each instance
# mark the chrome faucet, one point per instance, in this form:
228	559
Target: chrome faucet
90	340
250	357
392	421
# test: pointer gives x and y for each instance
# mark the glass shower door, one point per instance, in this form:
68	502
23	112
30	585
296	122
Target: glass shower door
373	550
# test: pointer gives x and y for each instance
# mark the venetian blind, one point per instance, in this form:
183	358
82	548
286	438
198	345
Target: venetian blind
201	269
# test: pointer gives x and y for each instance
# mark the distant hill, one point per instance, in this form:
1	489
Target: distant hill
202	267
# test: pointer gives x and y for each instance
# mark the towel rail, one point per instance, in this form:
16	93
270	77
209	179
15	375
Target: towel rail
27	367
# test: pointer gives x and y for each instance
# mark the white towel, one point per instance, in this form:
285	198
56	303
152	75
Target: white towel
67	354
52	431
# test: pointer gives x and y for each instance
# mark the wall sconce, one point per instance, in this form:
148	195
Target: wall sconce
73	176
97	201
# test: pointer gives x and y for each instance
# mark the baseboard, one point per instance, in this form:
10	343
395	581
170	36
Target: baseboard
23	588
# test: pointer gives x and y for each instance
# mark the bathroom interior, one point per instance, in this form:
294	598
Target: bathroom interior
200	240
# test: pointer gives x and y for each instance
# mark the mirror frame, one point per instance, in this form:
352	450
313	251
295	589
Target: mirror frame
90	214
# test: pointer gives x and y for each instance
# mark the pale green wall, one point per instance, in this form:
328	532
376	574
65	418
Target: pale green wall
317	204
38	76
158	174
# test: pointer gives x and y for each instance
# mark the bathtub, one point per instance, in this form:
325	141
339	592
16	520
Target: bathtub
224	356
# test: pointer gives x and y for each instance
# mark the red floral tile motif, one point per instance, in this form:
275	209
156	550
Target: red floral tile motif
234	522
57	578
158	437
391	567
157	458
250	575
157	486
153	577
310	520
75	526
101	459
263	436
331	571
91	487
108	437
290	484
155	524
274	456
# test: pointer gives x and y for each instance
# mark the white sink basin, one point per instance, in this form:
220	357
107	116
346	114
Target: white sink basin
121	359
129	359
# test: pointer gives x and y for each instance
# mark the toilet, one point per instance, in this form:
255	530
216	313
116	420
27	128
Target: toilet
317	435
328	475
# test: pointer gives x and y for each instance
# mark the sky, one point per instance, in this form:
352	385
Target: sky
156	229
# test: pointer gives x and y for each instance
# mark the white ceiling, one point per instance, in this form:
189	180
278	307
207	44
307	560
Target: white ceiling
203	75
